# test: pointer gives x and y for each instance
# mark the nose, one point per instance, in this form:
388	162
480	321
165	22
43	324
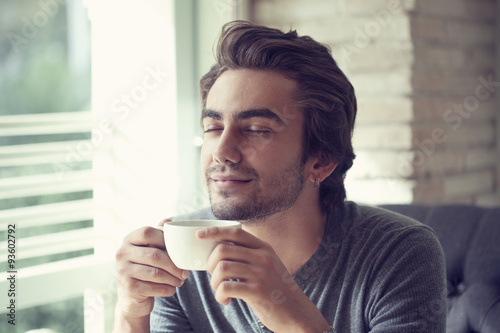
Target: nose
227	150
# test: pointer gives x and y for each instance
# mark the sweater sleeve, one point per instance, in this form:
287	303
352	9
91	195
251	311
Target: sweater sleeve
408	284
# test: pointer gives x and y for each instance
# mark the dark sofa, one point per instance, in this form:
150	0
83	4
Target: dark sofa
470	237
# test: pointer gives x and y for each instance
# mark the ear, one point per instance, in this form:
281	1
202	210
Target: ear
321	167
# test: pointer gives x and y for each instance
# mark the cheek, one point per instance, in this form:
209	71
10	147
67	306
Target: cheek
205	155
256	146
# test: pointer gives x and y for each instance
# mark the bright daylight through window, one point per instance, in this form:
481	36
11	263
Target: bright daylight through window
45	192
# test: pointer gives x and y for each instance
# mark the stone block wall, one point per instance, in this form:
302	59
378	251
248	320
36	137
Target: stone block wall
454	90
424	74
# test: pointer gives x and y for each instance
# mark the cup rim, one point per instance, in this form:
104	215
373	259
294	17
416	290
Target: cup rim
200	223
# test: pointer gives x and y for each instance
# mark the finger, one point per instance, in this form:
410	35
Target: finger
228	251
230	270
146	236
151	274
233	289
138	289
149	256
230	234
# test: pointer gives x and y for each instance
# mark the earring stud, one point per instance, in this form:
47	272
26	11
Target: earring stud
316	183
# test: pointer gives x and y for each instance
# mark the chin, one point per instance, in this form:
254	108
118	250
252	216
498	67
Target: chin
244	213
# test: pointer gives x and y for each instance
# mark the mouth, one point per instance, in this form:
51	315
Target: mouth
229	182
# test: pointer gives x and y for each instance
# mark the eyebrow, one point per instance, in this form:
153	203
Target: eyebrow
247	114
207	113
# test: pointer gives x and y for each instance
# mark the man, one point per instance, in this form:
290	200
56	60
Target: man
278	116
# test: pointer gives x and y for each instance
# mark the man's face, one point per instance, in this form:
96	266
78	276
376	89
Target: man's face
252	152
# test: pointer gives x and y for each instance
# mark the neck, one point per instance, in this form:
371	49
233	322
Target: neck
294	234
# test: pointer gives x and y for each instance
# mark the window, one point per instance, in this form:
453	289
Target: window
98	136
44	111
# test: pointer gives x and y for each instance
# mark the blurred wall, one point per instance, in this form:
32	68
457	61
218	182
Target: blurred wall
424	73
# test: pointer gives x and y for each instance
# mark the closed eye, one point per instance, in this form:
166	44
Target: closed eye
212	130
258	131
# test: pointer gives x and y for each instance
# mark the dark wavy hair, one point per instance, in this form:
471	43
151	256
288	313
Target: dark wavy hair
326	97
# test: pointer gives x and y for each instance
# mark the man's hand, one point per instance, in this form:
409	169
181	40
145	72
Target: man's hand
244	267
144	271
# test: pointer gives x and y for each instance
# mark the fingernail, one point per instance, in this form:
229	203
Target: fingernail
185	274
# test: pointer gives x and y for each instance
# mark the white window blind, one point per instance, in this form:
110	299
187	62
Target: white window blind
52	155
59	179
46	180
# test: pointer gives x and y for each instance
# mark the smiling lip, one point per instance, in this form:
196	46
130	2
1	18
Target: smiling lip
229	182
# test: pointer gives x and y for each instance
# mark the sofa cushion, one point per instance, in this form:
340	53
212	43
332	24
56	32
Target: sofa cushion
470	237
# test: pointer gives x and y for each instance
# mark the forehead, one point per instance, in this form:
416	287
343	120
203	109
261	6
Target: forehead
245	89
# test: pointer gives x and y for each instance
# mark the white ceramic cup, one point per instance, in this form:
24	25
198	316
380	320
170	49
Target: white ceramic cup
185	249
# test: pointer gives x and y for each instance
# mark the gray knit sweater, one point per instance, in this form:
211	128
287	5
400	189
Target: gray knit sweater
375	271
